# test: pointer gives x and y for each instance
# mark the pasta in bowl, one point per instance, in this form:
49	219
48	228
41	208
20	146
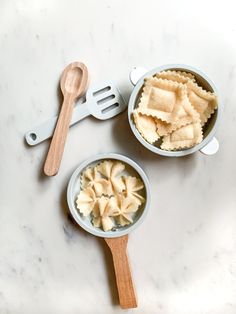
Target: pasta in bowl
174	110
108	195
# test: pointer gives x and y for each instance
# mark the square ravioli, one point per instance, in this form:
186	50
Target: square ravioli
204	102
164	128
146	126
178	112
162	99
185	137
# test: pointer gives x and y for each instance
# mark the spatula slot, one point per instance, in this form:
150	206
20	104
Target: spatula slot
103	100
103	90
110	108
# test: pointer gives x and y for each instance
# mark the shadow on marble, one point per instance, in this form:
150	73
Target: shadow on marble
70	228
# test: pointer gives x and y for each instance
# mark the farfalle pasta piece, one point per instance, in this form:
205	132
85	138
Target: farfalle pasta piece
124	207
185	137
162	99
102	212
86	201
89	176
132	186
92	178
204	102
111	171
176	76
146	126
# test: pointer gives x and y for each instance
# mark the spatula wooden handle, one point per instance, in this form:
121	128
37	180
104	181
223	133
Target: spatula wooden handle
124	280
57	145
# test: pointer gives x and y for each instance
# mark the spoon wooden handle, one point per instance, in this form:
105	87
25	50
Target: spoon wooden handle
57	145
122	270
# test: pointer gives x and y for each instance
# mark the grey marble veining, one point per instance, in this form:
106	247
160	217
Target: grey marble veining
183	257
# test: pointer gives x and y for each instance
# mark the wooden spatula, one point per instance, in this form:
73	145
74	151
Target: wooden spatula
74	80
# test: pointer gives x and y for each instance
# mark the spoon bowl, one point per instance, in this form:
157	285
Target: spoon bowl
74	79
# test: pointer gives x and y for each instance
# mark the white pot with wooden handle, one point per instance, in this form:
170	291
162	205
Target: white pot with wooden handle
116	239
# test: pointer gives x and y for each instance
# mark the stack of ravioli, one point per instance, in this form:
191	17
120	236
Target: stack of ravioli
173	108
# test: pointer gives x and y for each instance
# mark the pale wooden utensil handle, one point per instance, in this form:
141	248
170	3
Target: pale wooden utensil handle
124	280
57	145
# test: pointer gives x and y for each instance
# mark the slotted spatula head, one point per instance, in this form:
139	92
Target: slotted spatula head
105	101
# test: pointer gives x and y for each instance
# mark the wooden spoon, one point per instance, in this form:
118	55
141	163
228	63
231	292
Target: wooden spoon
124	280
74	81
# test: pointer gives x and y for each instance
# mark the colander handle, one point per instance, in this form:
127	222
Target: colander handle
124	280
211	148
136	73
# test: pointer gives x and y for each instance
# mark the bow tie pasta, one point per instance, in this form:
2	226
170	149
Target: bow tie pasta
109	196
171	101
92	178
111	170
125	207
102	213
86	200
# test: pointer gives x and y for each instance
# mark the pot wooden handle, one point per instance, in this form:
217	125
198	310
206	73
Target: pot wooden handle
122	270
57	145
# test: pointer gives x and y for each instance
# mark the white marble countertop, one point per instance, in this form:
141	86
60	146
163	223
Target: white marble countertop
183	256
